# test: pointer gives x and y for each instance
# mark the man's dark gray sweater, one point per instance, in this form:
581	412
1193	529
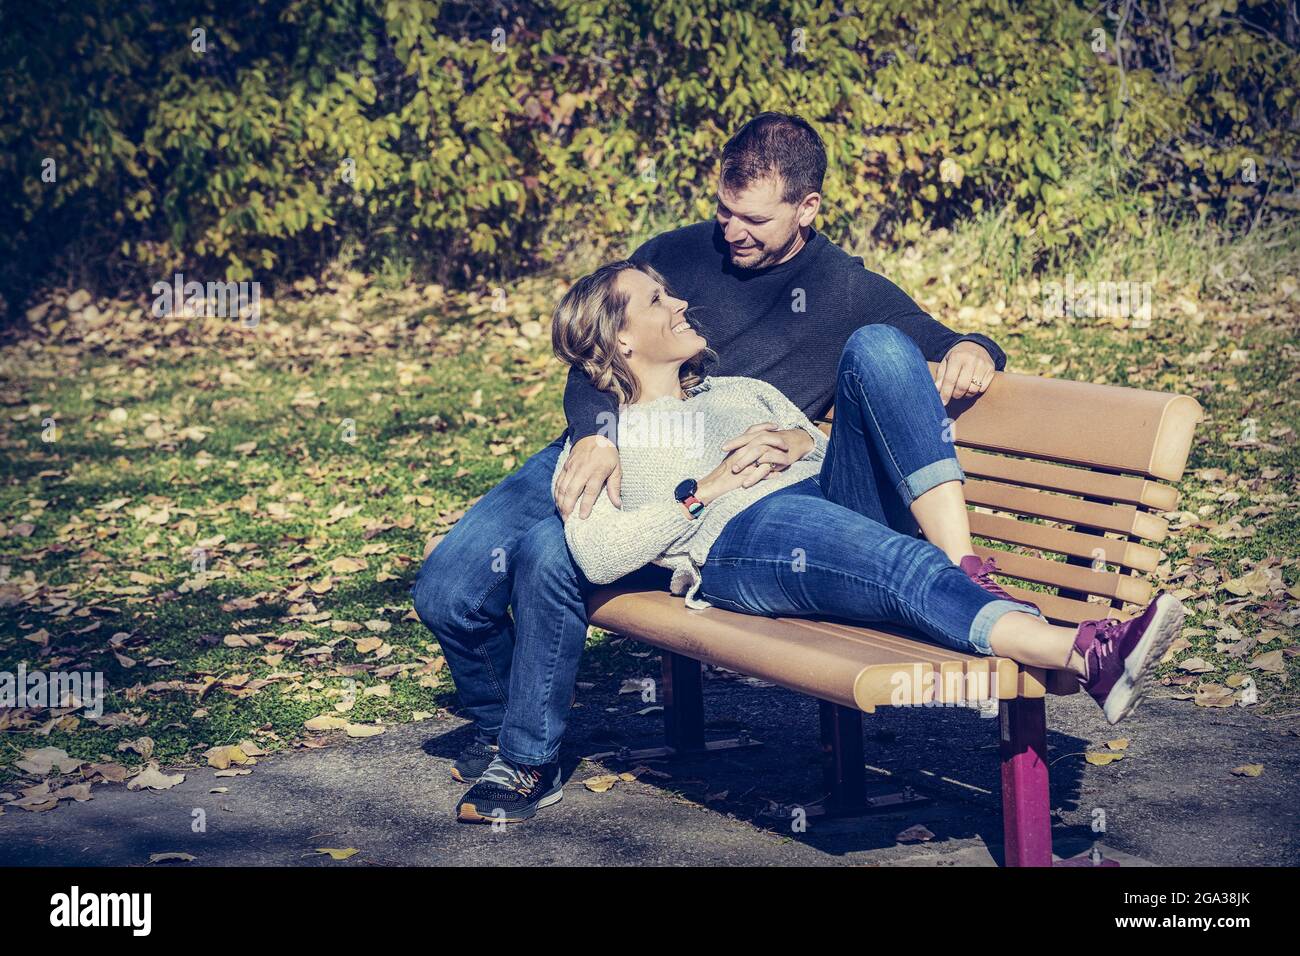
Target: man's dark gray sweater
786	324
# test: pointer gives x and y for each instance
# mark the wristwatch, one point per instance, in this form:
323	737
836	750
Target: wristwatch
685	493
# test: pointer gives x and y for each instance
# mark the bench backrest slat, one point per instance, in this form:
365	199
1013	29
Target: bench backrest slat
1128	489
1083	578
1074	544
1100	426
1122	519
1064	609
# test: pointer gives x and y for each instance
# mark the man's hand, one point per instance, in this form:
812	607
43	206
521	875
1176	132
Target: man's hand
767	443
592	464
965	371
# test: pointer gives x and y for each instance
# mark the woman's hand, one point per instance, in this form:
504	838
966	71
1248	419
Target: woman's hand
723	479
768	442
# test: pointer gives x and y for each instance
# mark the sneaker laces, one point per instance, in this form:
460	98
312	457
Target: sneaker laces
984	576
1102	644
511	776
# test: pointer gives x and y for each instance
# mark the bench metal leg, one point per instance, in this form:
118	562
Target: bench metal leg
845	772
683	698
682	693
1026	803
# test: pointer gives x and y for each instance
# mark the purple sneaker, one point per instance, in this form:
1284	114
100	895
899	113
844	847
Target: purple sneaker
1120	655
981	572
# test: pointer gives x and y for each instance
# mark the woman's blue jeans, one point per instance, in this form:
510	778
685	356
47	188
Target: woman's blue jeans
843	544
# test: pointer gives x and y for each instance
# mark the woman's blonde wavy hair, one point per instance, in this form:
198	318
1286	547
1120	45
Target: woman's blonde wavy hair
585	327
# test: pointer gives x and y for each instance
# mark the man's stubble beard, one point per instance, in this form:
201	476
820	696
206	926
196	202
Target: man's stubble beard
763	262
768	259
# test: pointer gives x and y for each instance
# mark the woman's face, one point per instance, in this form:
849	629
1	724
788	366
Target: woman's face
654	323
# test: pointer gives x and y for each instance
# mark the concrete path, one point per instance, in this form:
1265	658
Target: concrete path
1171	800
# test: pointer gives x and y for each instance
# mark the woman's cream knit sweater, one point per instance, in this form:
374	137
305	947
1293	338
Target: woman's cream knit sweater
661	443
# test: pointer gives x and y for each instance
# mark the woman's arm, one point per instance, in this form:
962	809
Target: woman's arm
610	542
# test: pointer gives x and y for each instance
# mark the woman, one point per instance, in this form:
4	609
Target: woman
755	525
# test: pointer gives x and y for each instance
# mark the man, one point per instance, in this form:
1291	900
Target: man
776	301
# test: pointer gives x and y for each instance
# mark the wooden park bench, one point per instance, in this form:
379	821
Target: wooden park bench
1070	476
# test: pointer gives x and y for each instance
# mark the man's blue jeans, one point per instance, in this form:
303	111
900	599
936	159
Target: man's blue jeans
843	544
514	678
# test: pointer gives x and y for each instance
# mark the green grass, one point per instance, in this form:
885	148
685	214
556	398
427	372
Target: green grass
446	397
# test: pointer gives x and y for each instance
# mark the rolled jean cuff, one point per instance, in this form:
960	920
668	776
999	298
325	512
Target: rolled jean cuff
982	626
930	476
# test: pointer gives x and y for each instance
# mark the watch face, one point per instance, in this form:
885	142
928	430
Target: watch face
685	489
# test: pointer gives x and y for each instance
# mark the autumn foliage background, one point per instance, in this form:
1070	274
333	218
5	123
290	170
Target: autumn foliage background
263	140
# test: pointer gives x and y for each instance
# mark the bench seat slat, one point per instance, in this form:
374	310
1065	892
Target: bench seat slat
823	659
871	684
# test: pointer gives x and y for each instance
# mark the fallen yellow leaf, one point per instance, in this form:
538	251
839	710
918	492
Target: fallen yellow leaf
223	757
325	722
151	778
346	565
1100	759
336	854
601	783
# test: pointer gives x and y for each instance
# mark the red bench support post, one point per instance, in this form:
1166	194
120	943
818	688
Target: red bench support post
1026	804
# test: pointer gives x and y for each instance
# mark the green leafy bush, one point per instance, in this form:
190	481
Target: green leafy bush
468	141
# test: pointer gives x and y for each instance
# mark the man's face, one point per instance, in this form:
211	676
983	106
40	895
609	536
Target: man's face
759	226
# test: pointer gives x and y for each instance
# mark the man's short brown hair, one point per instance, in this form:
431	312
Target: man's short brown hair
780	144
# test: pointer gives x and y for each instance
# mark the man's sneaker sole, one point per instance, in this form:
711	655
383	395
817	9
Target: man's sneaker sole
468	813
1139	666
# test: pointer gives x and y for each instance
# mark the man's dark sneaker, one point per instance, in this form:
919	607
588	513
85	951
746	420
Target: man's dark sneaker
511	792
1120	656
981	572
474	759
